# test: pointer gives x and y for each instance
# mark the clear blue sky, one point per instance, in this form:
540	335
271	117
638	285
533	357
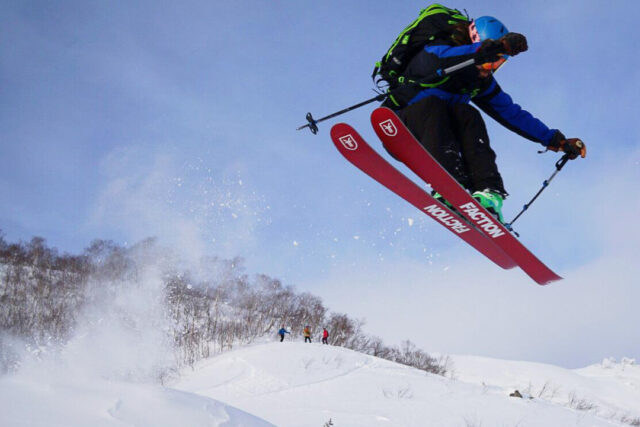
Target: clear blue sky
177	120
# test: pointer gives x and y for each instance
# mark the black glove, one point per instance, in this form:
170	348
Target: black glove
510	44
490	50
574	147
514	43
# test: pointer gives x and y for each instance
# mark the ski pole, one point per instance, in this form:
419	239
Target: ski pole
312	125
479	58
559	165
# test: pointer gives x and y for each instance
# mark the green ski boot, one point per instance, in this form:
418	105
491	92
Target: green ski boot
491	200
441	199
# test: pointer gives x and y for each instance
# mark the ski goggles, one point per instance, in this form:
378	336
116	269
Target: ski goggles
494	66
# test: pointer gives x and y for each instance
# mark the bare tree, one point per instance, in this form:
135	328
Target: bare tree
42	293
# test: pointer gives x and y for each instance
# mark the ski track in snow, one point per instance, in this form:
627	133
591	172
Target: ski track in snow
249	373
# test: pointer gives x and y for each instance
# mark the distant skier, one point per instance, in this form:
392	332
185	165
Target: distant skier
439	114
307	334
281	332
325	336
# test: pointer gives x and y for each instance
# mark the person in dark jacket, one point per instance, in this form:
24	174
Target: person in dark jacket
440	117
281	332
325	336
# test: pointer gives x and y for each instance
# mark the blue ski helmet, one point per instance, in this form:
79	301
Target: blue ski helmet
485	28
489	27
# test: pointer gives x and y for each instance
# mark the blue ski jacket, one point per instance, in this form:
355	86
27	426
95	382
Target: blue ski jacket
283	331
467	85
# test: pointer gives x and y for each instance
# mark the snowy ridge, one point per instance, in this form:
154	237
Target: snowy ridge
297	384
609	389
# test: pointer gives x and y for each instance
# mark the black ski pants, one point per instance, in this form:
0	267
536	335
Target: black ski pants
457	138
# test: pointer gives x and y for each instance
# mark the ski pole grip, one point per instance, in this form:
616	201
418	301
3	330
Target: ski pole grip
563	161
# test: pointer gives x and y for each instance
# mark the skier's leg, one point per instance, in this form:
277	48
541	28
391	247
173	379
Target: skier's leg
486	183
431	123
478	156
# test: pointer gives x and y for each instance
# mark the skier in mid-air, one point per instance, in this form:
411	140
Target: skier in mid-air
440	117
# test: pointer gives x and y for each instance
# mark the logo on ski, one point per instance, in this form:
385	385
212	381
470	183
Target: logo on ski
436	212
349	142
388	128
481	220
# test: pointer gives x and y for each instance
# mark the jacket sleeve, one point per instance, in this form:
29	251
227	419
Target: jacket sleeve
499	105
450	55
438	55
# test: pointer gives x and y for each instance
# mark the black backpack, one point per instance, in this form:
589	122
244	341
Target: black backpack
436	21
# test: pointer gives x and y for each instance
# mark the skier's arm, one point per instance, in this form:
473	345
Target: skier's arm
443	55
446	51
501	108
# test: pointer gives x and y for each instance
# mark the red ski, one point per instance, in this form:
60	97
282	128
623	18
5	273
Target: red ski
398	139
355	149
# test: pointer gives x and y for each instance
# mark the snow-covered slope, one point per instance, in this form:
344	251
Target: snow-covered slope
297	384
59	400
609	389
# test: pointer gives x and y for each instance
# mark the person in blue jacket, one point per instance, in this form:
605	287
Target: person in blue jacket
440	117
281	332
